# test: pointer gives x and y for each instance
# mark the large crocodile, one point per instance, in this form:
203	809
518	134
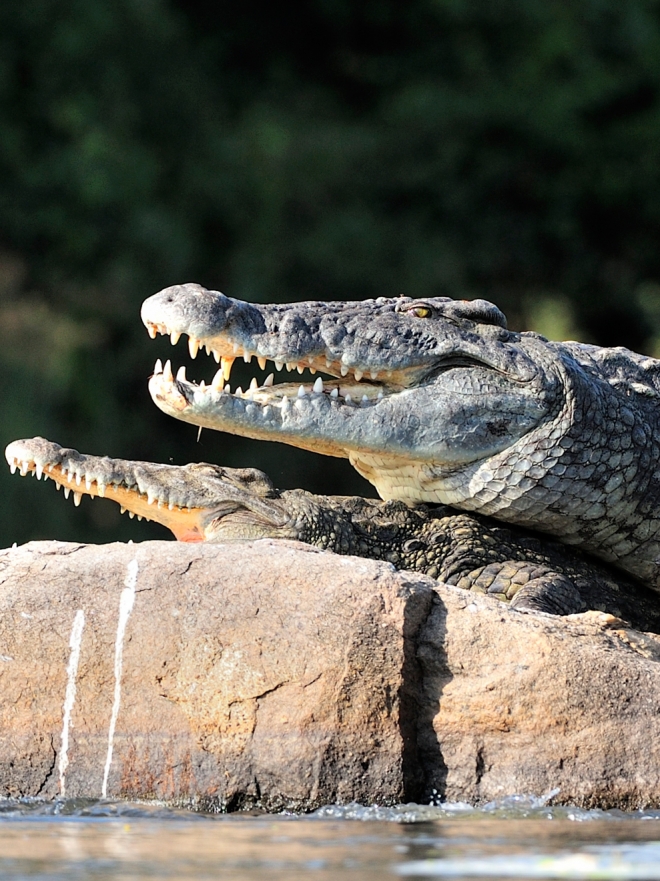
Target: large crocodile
436	401
202	502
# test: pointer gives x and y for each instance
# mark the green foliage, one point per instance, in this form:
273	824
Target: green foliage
317	149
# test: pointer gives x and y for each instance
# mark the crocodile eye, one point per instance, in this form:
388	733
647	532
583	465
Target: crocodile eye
421	311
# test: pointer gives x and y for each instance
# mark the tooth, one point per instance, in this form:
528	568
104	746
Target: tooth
24	468
226	364
181	374
343	369
318	386
279	365
67	491
254	384
175	336
78	479
77	498
12	467
158	367
247	357
265	411
218	381
122	510
38	470
151	498
380	395
88	483
239	392
312	370
261	362
348	399
58	486
269	380
139	516
100	488
131	514
358	375
216	355
301	391
202	386
207	348
151	330
328	363
285	403
237	349
300	368
193	347
374	374
334	393
365	399
167	371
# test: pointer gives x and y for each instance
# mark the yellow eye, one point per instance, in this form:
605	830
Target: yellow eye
422	311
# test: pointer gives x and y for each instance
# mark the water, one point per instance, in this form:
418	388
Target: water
515	838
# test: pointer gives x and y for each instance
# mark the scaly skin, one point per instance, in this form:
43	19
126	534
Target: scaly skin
209	503
446	405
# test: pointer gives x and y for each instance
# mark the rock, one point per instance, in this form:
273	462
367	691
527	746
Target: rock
273	674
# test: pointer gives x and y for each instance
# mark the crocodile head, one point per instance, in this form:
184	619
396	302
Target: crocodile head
407	386
197	502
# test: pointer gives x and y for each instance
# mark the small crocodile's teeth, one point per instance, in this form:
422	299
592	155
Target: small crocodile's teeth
358	375
152	331
348	398
122	509
131	514
334	393
300	368
88	483
216	355
175	336
254	384
218	381
270	379
193	347
167	371
365	399
181	374
158	367
279	365
13	466
67	492
100	488
374	374
247	357
226	365
24	469
38	470
301	391
261	362
239	392
318	386
77	498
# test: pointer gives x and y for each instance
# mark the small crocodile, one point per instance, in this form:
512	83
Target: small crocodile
202	502
436	400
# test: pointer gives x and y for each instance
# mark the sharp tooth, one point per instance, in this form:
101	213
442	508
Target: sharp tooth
269	380
158	367
77	498
167	371
67	491
58	486
247	357
239	392
139	516
88	483
181	374
38	470
175	336
343	369
13	466
380	395
261	362
348	399
131	514
237	349
151	498
358	375
300	368
328	363
318	386
226	364
151	330
100	488
334	393
374	374
365	399
24	468
216	355
122	509
254	384
202	386
193	347
279	365
218	381
312	370
265	411
301	391
207	348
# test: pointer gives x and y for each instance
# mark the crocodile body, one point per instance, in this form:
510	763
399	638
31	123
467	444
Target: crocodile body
437	401
202	502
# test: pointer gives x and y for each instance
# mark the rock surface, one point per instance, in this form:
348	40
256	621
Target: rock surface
273	674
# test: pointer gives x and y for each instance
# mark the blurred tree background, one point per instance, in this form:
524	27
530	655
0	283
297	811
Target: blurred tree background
323	149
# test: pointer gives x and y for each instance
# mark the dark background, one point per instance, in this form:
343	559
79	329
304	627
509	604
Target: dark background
320	149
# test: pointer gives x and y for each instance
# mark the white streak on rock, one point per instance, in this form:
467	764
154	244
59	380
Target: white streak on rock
125	606
75	641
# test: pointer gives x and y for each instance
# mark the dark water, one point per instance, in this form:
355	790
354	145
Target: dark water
515	838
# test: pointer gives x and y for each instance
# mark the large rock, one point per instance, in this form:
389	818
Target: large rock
270	673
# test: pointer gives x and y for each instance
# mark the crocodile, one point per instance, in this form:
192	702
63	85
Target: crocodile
204	502
436	400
